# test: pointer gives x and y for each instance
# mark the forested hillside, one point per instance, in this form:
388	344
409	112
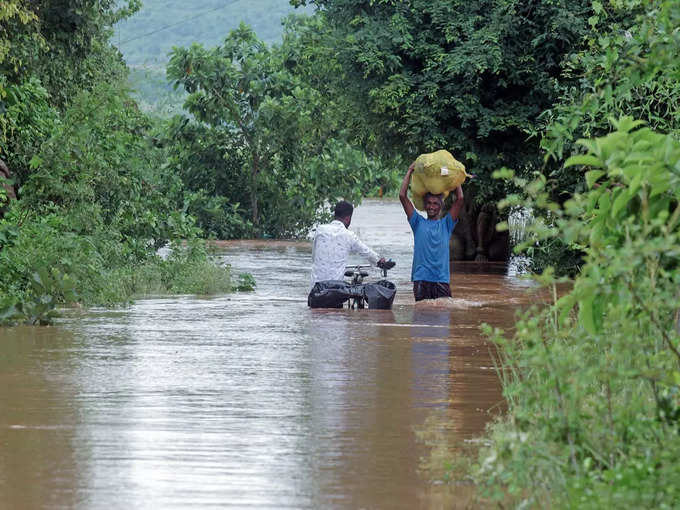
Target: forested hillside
147	37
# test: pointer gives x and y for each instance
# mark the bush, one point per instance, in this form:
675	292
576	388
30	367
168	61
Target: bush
593	381
188	270
76	269
91	215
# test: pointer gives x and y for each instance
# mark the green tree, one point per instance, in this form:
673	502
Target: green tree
471	77
97	205
79	54
628	66
22	23
15	18
229	88
57	48
268	134
593	380
63	43
99	171
94	202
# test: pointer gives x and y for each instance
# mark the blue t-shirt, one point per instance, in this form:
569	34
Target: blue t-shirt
431	248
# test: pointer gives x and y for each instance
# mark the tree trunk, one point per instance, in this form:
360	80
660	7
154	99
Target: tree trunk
475	236
253	190
5	182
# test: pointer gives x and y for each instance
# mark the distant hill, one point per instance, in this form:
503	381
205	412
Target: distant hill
146	38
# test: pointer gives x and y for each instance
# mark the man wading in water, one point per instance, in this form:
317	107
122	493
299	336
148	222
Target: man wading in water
332	245
430	270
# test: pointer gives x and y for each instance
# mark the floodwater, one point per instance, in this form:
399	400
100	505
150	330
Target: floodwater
252	400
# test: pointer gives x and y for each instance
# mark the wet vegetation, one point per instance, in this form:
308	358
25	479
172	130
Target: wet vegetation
86	198
569	108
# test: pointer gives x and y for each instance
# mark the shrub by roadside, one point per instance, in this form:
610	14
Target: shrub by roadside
593	381
89	217
36	280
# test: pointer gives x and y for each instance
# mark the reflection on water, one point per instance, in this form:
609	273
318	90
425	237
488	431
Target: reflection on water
251	400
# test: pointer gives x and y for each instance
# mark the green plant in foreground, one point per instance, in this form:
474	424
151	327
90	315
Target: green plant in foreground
246	282
592	381
47	288
189	269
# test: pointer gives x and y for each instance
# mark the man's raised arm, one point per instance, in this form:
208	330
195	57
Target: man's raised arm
403	197
457	204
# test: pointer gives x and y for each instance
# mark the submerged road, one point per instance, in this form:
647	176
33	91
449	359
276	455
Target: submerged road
252	400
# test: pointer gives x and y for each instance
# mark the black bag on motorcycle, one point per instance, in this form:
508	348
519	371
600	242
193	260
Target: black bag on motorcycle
328	294
380	295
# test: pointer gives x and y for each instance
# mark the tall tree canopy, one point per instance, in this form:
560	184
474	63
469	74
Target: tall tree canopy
61	42
628	66
471	77
55	49
261	138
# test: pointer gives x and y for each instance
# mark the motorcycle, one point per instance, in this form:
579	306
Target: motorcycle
353	291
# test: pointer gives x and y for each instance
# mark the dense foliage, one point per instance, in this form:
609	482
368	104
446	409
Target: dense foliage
628	67
57	49
93	200
261	143
593	381
470	77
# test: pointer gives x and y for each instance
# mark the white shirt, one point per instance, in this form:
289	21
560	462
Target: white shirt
332	245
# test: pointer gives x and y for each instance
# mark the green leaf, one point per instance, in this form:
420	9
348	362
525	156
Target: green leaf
626	124
635	185
35	162
620	202
503	173
631	172
676	377
584	160
605	202
565	304
659	180
586	316
592	176
589	144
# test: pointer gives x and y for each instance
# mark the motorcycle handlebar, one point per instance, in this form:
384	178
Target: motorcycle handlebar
388	264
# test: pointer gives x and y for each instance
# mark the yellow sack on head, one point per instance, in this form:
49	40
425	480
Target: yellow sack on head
435	172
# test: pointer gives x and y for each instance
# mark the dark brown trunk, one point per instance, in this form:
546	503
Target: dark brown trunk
475	237
5	182
253	190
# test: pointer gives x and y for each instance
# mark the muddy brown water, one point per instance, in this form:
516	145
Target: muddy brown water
252	400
